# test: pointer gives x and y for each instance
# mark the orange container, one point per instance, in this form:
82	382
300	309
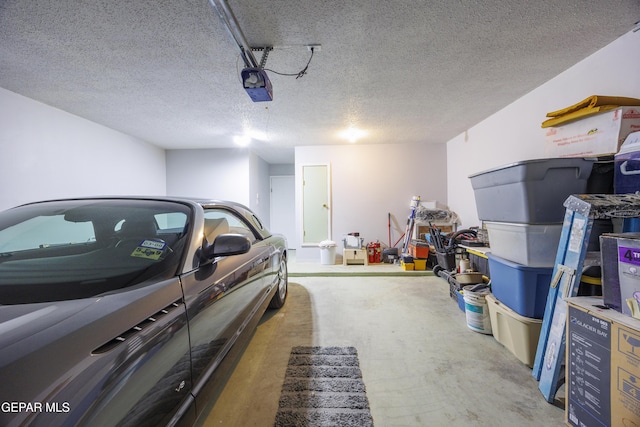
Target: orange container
419	251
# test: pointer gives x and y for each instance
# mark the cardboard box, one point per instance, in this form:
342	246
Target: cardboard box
597	135
602	366
621	272
421	230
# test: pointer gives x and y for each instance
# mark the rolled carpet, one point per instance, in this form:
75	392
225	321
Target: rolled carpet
323	387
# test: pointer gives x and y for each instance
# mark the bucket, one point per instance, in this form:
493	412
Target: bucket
591	282
476	308
464	265
327	252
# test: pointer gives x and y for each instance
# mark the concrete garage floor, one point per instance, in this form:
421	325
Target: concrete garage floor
421	364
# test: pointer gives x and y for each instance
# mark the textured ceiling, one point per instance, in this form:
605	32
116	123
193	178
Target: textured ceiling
167	71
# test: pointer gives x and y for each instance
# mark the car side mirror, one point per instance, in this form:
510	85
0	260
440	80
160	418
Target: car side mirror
226	245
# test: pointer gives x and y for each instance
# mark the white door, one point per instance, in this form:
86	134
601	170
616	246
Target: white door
283	208
316	220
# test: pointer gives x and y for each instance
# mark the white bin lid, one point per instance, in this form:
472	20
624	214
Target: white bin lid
630	144
327	244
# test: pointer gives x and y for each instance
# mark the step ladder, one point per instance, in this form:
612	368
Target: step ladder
572	257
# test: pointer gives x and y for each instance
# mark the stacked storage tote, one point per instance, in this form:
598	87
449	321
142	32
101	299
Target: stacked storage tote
522	207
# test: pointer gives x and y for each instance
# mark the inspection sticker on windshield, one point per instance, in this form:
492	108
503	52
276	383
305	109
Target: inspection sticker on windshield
149	249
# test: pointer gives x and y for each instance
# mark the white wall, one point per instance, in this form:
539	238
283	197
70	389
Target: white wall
514	133
259	188
209	173
281	170
48	153
371	181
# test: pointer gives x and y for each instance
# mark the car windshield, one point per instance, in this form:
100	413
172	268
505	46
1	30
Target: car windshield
63	250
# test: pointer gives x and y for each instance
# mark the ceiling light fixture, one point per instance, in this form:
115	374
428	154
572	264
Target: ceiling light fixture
352	134
257	135
242	140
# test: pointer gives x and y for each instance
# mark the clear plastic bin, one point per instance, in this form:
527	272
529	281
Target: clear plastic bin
533	245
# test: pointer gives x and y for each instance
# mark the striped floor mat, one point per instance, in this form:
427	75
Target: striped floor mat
323	387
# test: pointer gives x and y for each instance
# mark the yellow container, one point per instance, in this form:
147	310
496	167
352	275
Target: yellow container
420	264
517	333
407	265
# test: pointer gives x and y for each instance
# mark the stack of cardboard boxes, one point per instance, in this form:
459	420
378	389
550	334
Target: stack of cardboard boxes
603	334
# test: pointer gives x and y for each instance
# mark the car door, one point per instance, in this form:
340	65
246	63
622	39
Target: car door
118	356
222	298
148	358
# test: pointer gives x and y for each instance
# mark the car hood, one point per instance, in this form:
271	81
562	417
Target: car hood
21	321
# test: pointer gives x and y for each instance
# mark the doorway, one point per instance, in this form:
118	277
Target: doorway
316	208
283	208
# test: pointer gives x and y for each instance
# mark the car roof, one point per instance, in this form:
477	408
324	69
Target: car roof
180	199
239	208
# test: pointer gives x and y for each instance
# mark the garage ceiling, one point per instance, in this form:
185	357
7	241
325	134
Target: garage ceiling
167	71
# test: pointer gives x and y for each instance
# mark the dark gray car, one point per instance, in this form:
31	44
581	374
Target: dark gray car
128	311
